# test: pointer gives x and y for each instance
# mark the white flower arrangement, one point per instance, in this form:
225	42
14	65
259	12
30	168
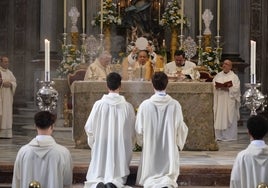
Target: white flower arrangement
110	15
172	16
209	58
70	61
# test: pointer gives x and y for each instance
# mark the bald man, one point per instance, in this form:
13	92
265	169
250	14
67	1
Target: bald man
226	103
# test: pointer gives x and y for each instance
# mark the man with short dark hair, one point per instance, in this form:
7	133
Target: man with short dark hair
161	132
181	67
111	133
251	165
42	159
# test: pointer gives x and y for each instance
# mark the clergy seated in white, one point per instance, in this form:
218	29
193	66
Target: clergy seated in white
161	132
226	103
42	159
181	67
251	164
110	128
8	86
100	68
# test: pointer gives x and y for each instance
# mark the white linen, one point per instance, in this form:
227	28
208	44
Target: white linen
161	130
111	132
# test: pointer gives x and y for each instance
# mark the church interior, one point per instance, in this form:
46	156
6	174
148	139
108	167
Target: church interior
78	29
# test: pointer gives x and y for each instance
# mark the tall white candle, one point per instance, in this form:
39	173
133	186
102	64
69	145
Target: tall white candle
252	62
119	9
101	21
159	11
83	16
200	17
64	16
182	15
47	60
218	17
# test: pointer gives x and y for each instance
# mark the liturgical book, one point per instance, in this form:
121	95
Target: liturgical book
225	84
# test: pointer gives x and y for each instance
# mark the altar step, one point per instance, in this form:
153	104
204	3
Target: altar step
190	176
24	115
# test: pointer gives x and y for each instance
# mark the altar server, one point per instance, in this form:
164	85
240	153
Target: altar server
111	131
226	103
8	86
251	164
42	159
161	132
100	68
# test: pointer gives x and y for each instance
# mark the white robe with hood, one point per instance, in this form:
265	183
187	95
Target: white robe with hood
111	132
251	166
161	132
45	161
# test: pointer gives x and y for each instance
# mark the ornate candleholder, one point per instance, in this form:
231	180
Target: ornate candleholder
253	98
47	96
83	48
181	37
64	46
101	46
199	49
218	49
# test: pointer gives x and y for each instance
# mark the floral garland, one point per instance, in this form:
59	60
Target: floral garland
172	15
71	59
110	15
209	60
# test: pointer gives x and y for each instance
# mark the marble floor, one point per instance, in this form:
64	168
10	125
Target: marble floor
81	157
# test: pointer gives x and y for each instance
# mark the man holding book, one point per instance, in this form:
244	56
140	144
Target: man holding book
226	103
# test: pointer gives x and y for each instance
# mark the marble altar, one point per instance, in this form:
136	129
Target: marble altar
196	99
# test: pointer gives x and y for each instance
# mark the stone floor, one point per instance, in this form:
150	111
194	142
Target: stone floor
191	161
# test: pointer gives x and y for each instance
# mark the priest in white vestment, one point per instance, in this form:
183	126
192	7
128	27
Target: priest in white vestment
226	103
161	132
181	67
7	90
42	159
251	165
100	68
110	128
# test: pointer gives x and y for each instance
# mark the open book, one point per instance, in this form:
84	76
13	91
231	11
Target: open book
225	84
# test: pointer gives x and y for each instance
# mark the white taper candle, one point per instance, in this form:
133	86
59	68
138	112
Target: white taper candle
218	17
182	15
252	62
47	60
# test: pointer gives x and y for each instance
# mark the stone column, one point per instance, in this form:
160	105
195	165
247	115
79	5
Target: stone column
48	23
230	23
